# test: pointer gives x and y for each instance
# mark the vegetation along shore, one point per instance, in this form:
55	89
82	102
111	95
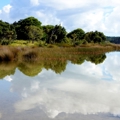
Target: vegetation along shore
27	39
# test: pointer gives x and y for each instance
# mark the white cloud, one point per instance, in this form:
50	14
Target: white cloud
74	96
62	4
47	18
8	78
101	15
7	8
34	2
4	13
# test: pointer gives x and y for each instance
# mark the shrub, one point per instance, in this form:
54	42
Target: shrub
5	42
30	56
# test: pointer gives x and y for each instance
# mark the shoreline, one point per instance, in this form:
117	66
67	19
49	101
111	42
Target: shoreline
34	53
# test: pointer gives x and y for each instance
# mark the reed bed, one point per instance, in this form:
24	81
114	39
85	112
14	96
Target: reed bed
8	53
31	60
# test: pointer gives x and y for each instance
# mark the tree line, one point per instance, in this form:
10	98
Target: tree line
115	40
31	29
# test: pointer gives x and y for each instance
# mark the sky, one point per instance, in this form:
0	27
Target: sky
90	15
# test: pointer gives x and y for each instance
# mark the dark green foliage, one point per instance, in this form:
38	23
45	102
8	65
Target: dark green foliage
7	31
54	34
76	35
29	21
30	29
47	32
95	37
34	33
5	42
57	34
21	27
97	59
113	39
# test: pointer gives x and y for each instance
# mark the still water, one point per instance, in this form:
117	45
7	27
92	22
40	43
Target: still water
82	92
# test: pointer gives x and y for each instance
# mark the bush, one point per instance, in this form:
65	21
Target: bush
42	43
85	42
30	56
67	40
77	43
5	42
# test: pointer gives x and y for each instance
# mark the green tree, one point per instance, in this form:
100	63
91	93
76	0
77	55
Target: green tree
95	37
57	34
21	26
76	35
30	21
34	33
7	31
47	32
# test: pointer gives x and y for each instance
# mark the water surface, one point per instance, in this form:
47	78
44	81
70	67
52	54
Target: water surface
85	91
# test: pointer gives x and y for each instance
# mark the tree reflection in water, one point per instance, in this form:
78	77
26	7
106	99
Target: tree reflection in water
33	68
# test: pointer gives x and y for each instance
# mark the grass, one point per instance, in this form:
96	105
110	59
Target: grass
8	53
21	50
23	43
31	60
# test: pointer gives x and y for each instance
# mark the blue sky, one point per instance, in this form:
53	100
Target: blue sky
90	15
3	3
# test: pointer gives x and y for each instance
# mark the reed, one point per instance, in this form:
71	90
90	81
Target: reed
33	53
8	53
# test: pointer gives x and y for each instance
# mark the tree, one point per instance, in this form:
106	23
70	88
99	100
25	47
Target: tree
34	33
59	33
76	35
95	37
21	26
7	31
30	21
47	32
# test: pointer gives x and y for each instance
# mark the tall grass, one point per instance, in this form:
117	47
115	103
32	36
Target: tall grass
31	60
10	53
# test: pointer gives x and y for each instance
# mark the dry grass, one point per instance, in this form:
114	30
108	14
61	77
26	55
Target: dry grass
9	53
31	60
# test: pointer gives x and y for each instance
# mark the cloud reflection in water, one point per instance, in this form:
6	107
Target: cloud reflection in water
85	89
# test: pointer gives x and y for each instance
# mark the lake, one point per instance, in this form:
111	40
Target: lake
84	91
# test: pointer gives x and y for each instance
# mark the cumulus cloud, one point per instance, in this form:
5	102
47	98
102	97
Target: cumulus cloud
4	13
7	8
101	15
